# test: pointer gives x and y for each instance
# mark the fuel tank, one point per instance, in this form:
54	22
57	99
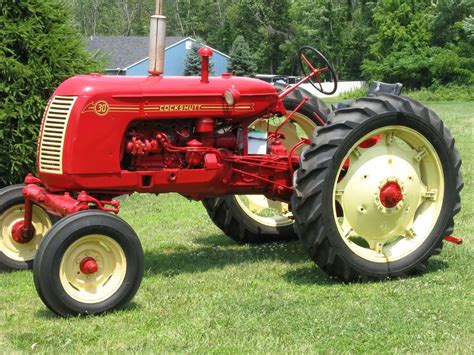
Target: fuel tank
84	125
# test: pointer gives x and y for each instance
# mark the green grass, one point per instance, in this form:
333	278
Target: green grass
203	293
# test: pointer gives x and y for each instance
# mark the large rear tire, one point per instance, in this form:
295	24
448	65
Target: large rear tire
254	218
16	254
90	262
377	190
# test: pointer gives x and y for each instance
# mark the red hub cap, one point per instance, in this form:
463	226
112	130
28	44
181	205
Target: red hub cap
391	194
19	235
89	266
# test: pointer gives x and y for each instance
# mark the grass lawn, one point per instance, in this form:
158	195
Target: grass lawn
204	293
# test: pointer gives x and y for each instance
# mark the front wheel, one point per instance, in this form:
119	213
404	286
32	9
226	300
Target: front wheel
89	263
17	253
377	190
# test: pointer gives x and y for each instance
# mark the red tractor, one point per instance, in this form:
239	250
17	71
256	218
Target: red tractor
370	189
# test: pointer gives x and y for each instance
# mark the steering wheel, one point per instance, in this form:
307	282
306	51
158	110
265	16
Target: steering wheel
312	61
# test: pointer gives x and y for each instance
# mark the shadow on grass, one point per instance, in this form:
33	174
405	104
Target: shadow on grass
213	240
216	252
313	274
4	269
436	264
309	275
46	313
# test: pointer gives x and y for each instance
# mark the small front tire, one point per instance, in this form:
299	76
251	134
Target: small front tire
90	262
17	254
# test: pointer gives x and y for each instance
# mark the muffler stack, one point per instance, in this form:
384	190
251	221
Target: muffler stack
157	40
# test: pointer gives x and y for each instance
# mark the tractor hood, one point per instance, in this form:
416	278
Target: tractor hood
97	85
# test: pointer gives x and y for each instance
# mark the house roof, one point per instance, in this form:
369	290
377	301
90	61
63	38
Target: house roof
123	51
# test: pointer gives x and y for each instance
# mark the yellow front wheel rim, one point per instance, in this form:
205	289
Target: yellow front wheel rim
400	156
23	251
259	208
98	286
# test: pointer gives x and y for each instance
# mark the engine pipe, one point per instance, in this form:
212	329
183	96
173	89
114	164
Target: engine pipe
205	53
157	41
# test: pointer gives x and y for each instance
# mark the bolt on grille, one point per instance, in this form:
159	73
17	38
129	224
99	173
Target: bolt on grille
53	133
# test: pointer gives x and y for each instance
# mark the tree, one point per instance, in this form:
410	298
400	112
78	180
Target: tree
419	42
408	47
38	50
468	27
337	28
241	59
192	63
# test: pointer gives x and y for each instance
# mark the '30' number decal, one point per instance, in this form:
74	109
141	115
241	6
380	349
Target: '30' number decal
101	108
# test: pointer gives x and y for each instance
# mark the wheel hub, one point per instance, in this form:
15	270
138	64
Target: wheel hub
380	196
89	266
390	194
92	268
19	235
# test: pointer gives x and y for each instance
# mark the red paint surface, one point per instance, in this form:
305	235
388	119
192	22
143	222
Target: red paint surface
20	235
453	239
390	194
162	134
88	266
371	141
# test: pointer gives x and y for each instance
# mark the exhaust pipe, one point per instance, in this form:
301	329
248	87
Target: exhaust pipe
157	41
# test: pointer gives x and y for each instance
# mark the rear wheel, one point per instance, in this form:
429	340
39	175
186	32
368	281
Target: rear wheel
90	262
377	190
255	218
17	253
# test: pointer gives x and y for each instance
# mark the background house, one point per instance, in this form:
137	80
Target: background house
128	55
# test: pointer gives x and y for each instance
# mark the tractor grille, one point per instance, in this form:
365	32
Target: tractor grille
52	136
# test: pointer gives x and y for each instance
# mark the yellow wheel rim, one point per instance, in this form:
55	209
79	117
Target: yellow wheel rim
22	251
258	207
403	157
98	286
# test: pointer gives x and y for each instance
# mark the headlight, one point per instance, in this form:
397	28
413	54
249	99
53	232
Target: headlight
231	96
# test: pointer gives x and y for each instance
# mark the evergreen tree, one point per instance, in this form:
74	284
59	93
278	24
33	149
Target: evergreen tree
192	63
241	60
38	50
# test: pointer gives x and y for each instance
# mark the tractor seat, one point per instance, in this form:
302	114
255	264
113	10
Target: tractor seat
374	88
377	86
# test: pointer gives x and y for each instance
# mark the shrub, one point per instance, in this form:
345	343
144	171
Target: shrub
444	93
355	93
38	49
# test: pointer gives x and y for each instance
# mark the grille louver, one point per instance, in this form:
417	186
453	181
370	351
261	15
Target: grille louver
54	131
